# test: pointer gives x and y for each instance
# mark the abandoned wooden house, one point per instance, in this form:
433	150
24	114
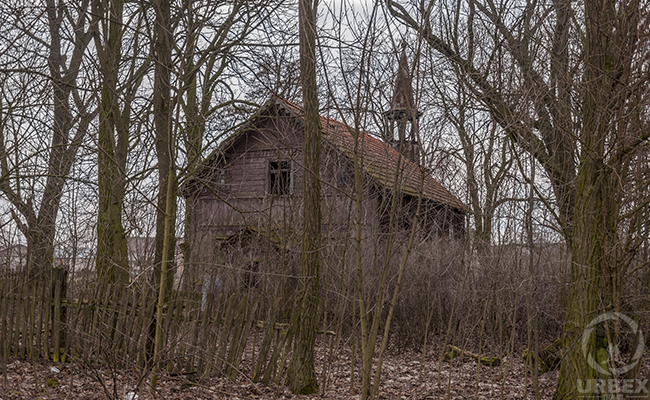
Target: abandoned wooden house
247	199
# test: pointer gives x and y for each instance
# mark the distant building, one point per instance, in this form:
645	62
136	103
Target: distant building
141	253
246	209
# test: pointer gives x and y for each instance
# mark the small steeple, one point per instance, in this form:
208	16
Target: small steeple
402	113
403	90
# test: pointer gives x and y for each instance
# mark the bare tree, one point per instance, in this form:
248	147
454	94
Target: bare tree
584	130
303	375
59	29
204	89
115	112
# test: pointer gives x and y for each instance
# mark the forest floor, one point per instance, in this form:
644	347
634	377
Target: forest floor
461	378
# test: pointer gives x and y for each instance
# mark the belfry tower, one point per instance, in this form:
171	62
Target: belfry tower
401	119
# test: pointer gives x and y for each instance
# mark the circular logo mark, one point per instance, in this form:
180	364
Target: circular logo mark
612	349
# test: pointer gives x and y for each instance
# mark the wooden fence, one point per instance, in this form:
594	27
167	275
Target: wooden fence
204	334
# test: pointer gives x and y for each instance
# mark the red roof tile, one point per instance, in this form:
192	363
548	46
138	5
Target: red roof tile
381	161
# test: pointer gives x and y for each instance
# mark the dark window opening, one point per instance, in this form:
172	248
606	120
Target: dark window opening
280	177
345	175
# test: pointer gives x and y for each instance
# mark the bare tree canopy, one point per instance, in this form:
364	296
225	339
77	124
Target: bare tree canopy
465	175
568	84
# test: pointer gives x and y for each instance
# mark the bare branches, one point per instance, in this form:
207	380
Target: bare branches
503	113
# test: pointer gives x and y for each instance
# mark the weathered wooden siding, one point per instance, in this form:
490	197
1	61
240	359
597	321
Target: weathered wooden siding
246	164
240	202
244	198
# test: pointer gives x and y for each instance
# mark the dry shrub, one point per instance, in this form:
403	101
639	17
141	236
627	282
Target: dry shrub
479	298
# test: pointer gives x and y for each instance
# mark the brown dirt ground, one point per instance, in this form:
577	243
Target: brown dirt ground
459	379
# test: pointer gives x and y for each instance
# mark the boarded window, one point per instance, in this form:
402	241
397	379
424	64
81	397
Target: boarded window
280	177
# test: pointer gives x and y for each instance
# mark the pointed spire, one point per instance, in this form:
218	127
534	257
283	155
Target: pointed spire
403	90
402	104
402	114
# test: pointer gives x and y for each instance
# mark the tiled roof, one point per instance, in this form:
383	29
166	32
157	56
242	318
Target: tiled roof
381	161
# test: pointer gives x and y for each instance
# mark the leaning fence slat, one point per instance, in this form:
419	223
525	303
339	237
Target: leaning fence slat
89	316
116	316
22	320
189	345
138	311
47	308
75	345
56	325
238	322
171	330
59	277
12	312
181	332
188	322
94	315
147	325
269	332
41	320
211	321
123	326
40	287
112	303
25	332
285	351
18	307
4	337
225	334
272	366
3	329
240	340
11	299
31	325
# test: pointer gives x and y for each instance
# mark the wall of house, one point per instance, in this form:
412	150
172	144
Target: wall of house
244	197
241	198
240	194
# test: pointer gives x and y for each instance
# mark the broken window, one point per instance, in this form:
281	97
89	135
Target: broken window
280	177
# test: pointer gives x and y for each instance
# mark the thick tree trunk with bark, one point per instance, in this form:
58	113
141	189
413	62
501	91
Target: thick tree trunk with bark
40	226
162	277
112	252
594	282
303	375
193	138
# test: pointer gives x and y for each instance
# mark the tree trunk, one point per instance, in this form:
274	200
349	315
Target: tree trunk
112	252
193	137
163	125
41	228
593	278
303	379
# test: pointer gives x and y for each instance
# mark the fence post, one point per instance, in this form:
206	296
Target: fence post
59	291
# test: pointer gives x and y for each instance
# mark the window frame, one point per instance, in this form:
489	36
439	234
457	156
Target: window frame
280	168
